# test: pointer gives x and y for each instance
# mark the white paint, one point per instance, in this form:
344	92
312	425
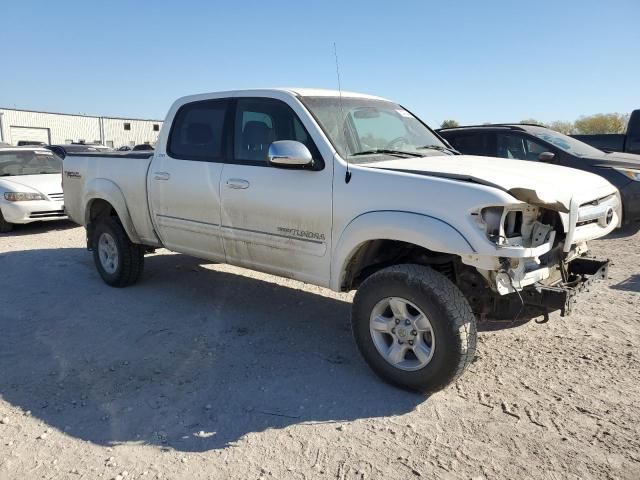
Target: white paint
48	185
398	199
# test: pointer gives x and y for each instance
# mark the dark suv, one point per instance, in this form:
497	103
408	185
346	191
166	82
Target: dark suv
539	144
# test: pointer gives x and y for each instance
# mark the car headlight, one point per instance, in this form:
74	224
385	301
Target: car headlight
501	225
22	196
629	173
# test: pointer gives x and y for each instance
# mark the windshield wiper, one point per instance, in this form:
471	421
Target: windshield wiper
440	148
387	151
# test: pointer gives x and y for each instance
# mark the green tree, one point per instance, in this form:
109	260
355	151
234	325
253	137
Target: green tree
533	121
563	127
601	123
449	124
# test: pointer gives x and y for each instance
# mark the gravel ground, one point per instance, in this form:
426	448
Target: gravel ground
209	371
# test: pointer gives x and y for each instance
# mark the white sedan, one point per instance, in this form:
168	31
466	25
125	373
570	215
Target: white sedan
30	186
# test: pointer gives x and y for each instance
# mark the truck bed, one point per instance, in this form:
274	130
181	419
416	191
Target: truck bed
609	142
122	174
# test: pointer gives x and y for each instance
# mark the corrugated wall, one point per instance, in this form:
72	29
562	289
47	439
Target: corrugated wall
140	131
62	128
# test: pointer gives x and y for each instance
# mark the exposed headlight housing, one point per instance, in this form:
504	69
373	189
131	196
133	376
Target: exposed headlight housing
23	196
630	173
501	225
515	226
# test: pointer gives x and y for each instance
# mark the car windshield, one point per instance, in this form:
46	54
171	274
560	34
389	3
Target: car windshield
565	142
366	130
15	163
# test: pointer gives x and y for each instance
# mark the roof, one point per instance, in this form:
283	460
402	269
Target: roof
492	126
274	92
323	92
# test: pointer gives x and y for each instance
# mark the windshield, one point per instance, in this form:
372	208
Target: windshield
28	163
565	142
364	130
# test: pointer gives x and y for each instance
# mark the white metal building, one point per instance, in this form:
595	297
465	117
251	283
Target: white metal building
59	128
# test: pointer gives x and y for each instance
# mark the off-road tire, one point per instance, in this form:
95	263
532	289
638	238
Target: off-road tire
5	226
453	323
130	255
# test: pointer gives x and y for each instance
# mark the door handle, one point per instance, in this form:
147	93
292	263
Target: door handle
161	176
237	183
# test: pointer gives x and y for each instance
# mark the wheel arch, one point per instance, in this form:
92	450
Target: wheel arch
104	197
406	234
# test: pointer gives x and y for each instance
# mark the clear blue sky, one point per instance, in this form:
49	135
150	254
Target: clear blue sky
472	61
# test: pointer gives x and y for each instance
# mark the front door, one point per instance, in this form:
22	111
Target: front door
184	181
274	219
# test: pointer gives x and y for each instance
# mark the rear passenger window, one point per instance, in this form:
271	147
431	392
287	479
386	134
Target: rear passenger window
197	131
261	121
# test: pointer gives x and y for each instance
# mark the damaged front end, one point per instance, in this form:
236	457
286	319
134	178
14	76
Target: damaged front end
537	268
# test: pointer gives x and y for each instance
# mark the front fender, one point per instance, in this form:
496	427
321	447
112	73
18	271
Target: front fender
423	230
103	189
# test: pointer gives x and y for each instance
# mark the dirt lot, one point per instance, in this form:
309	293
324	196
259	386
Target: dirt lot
208	371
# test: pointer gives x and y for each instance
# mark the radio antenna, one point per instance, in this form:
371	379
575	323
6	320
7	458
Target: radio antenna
347	177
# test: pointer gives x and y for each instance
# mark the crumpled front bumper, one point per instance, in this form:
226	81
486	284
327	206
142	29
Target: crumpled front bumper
581	274
541	299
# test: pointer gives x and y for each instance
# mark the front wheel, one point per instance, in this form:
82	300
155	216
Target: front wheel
119	261
414	327
4	225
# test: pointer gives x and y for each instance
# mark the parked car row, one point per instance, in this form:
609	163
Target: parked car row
63	149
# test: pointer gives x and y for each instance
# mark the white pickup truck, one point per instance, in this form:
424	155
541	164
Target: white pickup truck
350	191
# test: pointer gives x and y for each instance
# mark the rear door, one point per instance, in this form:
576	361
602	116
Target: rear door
183	182
275	220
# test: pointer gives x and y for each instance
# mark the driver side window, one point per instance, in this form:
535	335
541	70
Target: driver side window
262	121
519	147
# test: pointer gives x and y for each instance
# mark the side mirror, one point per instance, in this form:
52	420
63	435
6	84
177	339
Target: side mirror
289	154
546	157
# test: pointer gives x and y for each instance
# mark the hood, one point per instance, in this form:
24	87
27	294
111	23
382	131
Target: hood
616	159
535	183
47	183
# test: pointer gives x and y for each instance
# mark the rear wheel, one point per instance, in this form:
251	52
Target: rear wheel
119	261
4	225
414	327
